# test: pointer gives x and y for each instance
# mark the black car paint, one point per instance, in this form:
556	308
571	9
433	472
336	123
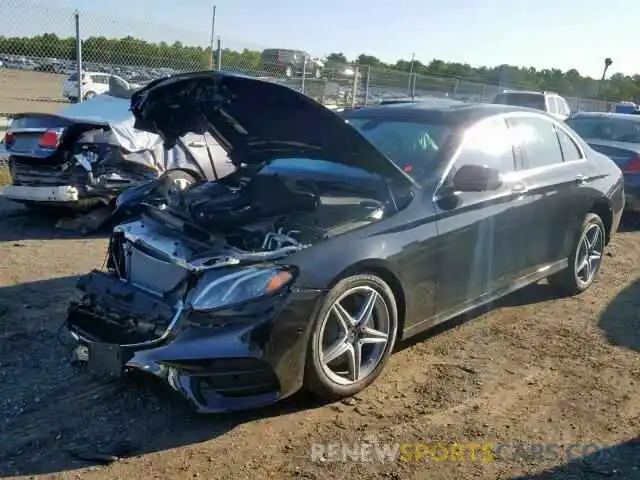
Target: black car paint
436	252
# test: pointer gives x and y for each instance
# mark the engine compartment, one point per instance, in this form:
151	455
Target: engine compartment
260	217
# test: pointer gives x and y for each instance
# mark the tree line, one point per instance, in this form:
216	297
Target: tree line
136	52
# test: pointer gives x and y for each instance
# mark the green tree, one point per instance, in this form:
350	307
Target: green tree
437	73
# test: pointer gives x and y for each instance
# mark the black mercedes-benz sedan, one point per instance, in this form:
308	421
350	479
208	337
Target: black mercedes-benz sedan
336	236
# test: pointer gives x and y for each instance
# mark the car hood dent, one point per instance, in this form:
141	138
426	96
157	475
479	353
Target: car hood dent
255	121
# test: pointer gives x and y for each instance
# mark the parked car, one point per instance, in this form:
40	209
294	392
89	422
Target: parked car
618	137
549	102
84	156
279	61
387	221
93	83
624	107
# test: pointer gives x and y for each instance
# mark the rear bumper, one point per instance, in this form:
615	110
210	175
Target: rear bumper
58	194
632	193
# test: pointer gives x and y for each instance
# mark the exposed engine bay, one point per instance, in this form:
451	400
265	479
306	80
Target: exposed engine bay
240	219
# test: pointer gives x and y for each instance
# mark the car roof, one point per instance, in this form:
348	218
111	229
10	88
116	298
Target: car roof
457	113
529	92
621	116
84	72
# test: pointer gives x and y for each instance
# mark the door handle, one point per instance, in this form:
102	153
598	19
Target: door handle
197	144
580	179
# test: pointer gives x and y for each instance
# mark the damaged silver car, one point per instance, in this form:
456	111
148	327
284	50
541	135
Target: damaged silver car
84	156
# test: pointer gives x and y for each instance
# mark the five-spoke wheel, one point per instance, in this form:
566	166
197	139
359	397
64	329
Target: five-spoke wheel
585	259
353	337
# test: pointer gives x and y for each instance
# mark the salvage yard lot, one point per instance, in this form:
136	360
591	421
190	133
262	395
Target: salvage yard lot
26	91
533	369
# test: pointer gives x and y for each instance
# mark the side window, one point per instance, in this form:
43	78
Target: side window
536	136
570	150
488	144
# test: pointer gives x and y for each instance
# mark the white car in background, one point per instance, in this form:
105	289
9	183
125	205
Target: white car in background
93	83
549	102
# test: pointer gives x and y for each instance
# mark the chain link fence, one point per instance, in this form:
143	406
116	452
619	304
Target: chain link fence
42	48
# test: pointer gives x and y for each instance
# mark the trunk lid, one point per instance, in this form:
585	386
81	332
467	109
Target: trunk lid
255	121
620	152
35	135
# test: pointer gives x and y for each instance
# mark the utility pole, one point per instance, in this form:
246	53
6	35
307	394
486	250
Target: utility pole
213	36
410	85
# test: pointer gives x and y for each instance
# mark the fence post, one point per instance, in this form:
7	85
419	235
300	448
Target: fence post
78	54
455	87
219	54
304	73
356	77
412	81
366	86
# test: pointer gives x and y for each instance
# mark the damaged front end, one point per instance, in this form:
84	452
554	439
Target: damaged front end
200	289
203	286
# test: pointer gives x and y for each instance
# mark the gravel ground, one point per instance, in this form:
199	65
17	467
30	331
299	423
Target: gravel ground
534	370
26	91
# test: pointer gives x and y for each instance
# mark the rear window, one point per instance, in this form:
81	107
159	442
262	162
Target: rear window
530	100
413	146
604	128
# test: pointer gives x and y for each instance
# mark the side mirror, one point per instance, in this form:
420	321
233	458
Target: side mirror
476	178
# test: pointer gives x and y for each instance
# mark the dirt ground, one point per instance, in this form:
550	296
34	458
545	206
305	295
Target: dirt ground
26	91
534	370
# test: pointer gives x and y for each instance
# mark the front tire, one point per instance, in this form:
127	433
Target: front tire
585	258
353	336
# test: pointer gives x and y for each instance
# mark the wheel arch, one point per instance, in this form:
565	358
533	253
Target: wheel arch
602	208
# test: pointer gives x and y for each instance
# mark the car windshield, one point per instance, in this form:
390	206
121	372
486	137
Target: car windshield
531	100
413	146
606	128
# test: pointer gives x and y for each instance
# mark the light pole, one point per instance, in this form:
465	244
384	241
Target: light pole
607	63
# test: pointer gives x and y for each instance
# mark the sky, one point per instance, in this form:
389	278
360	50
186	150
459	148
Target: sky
561	34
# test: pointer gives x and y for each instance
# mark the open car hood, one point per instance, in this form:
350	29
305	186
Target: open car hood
254	120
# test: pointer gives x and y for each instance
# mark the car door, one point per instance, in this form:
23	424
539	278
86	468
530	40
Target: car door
549	158
481	234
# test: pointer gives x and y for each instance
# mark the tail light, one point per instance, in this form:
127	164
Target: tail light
633	166
49	139
9	137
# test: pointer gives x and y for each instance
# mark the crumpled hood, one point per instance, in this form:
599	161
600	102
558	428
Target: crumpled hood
254	120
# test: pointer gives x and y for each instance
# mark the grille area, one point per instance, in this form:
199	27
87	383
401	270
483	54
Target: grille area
39	173
143	267
113	312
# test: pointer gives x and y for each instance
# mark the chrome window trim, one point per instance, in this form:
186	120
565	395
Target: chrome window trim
524	171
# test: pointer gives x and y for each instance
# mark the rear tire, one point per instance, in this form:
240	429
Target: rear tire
367	343
89	95
585	259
